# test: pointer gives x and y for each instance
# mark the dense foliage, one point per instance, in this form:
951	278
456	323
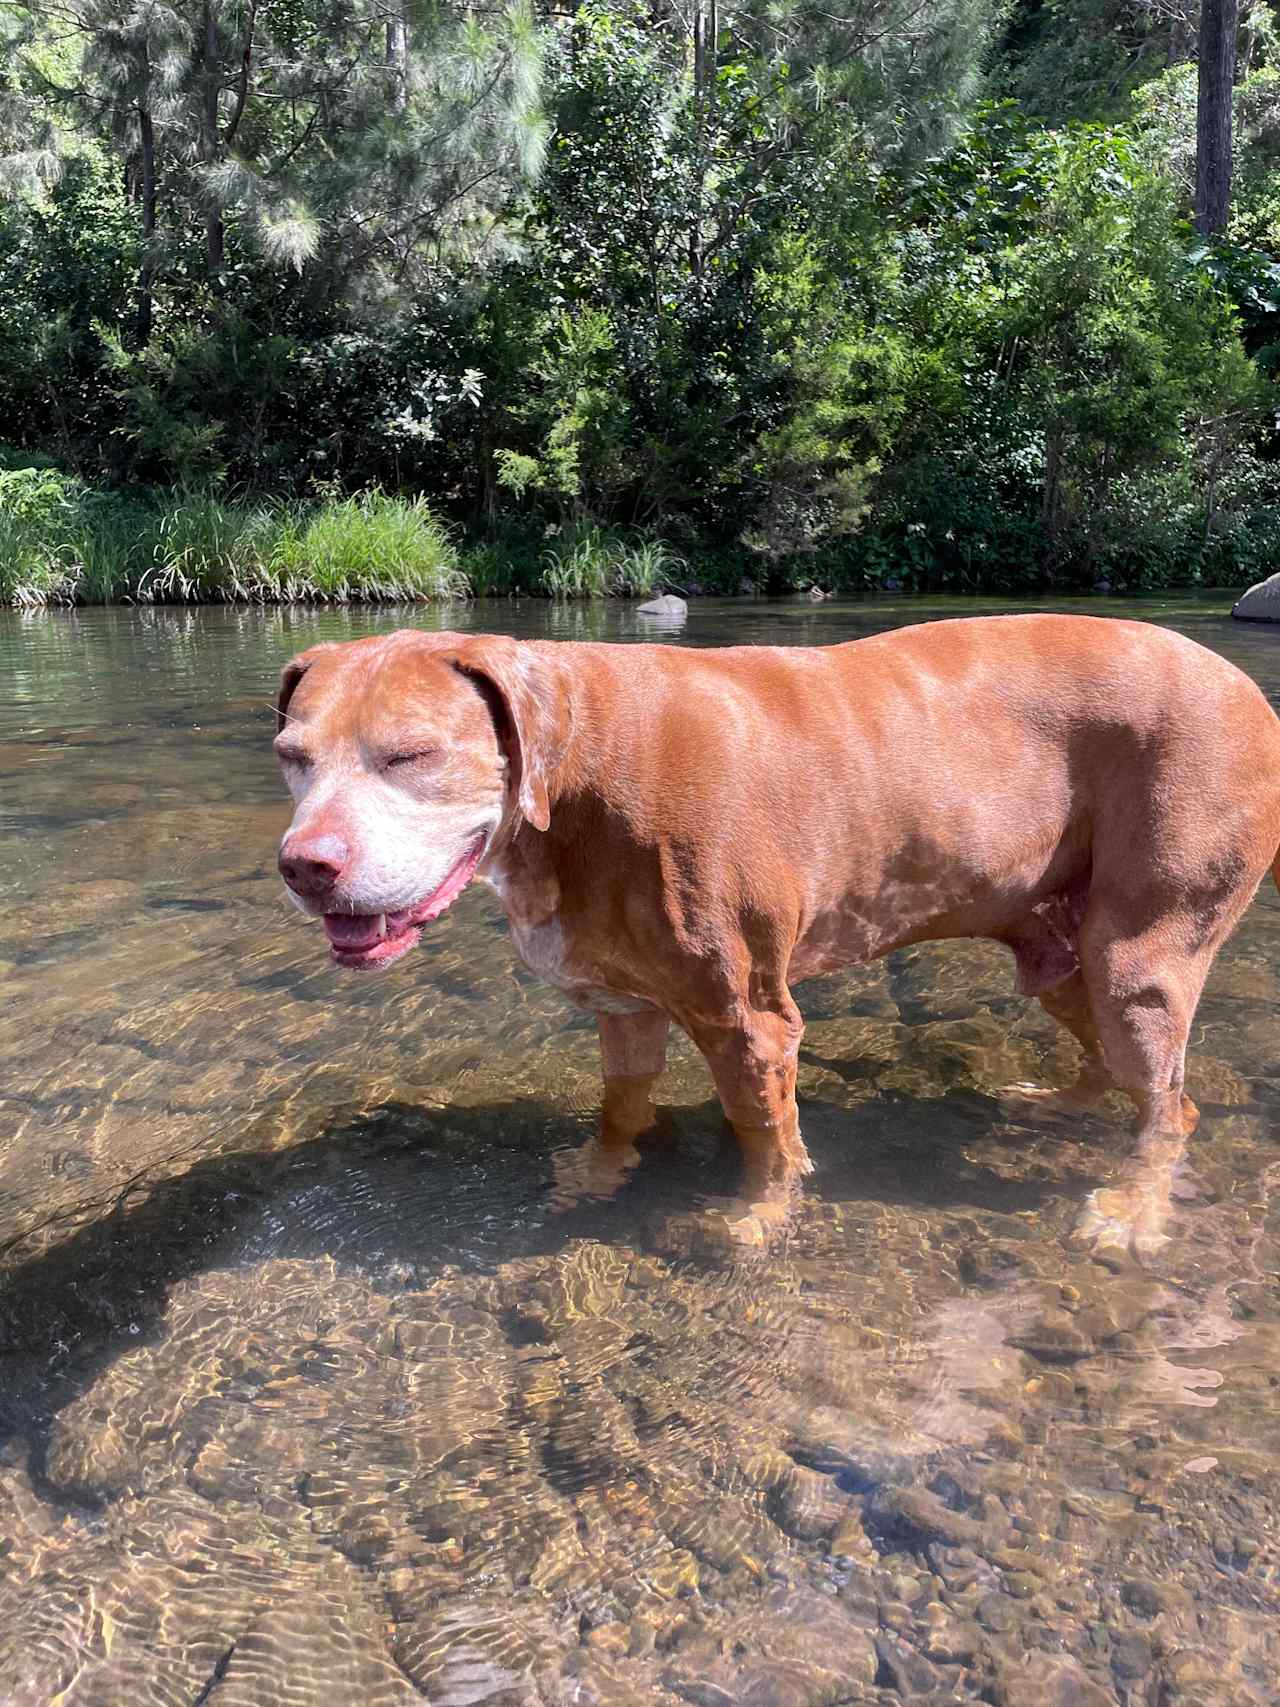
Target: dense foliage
626	296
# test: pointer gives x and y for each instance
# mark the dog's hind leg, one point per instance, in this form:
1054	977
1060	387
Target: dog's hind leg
1068	1003
1175	862
1144	976
1046	949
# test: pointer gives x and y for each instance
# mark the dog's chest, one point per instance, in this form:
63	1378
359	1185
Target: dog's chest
543	949
539	939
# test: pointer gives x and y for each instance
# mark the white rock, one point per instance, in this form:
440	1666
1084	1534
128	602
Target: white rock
666	605
1261	603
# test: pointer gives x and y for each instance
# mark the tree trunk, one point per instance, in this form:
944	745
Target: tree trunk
1247	41
1179	41
1219	27
214	242
147	186
706	33
215	236
398	58
1051	496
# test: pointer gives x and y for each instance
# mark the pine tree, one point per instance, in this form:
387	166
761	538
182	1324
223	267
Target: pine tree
382	139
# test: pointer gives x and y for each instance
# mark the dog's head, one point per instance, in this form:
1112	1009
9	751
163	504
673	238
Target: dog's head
406	755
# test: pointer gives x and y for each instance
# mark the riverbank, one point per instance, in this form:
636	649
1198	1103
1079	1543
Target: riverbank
64	543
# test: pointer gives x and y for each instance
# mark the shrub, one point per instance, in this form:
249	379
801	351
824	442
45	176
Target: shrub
592	564
39	509
368	547
32	570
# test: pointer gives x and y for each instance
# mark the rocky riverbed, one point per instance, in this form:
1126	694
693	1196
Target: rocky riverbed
315	1391
362	1417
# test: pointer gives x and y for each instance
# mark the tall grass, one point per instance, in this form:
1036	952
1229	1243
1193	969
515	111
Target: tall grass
112	548
62	543
203	549
591	564
366	547
646	567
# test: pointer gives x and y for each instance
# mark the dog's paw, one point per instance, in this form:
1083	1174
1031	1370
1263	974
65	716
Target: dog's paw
1038	1102
1129	1219
593	1170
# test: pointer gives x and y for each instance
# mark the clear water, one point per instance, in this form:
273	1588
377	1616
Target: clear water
311	1393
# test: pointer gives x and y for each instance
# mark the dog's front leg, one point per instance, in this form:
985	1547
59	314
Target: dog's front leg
752	1055
633	1052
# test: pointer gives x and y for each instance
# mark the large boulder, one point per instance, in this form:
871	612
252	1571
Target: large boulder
1261	603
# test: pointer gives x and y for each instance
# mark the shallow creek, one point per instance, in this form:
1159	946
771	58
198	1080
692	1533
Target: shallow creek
313	1391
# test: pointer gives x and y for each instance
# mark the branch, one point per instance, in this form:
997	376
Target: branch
242	82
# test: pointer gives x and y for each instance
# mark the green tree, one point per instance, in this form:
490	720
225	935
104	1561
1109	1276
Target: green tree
1104	386
289	122
684	154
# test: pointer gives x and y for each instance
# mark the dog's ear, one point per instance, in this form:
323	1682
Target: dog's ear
528	698
291	675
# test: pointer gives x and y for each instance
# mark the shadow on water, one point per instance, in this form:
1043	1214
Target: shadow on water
391	1188
398	1192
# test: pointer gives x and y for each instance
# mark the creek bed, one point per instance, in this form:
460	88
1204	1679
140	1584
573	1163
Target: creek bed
311	1391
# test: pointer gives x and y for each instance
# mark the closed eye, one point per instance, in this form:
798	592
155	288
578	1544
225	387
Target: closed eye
419	755
293	756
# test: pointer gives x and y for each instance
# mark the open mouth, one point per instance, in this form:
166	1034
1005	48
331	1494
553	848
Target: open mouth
376	939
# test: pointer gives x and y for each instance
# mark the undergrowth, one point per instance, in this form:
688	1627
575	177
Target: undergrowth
63	543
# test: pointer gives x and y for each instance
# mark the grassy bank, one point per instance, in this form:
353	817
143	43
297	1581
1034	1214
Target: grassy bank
62	542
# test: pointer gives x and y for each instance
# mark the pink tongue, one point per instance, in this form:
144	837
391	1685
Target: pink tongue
353	930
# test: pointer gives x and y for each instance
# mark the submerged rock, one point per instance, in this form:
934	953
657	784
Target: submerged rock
1045	1680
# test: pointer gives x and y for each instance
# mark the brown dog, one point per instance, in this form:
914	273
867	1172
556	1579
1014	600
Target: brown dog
680	835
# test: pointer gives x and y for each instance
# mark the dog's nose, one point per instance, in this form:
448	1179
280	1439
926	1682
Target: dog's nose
313	871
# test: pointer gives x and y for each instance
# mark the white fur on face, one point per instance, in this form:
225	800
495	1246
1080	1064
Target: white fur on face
403	832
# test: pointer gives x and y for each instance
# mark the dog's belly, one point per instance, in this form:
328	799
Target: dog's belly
838	943
862	927
865	926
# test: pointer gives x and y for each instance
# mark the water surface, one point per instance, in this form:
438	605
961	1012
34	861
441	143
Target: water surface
312	1392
